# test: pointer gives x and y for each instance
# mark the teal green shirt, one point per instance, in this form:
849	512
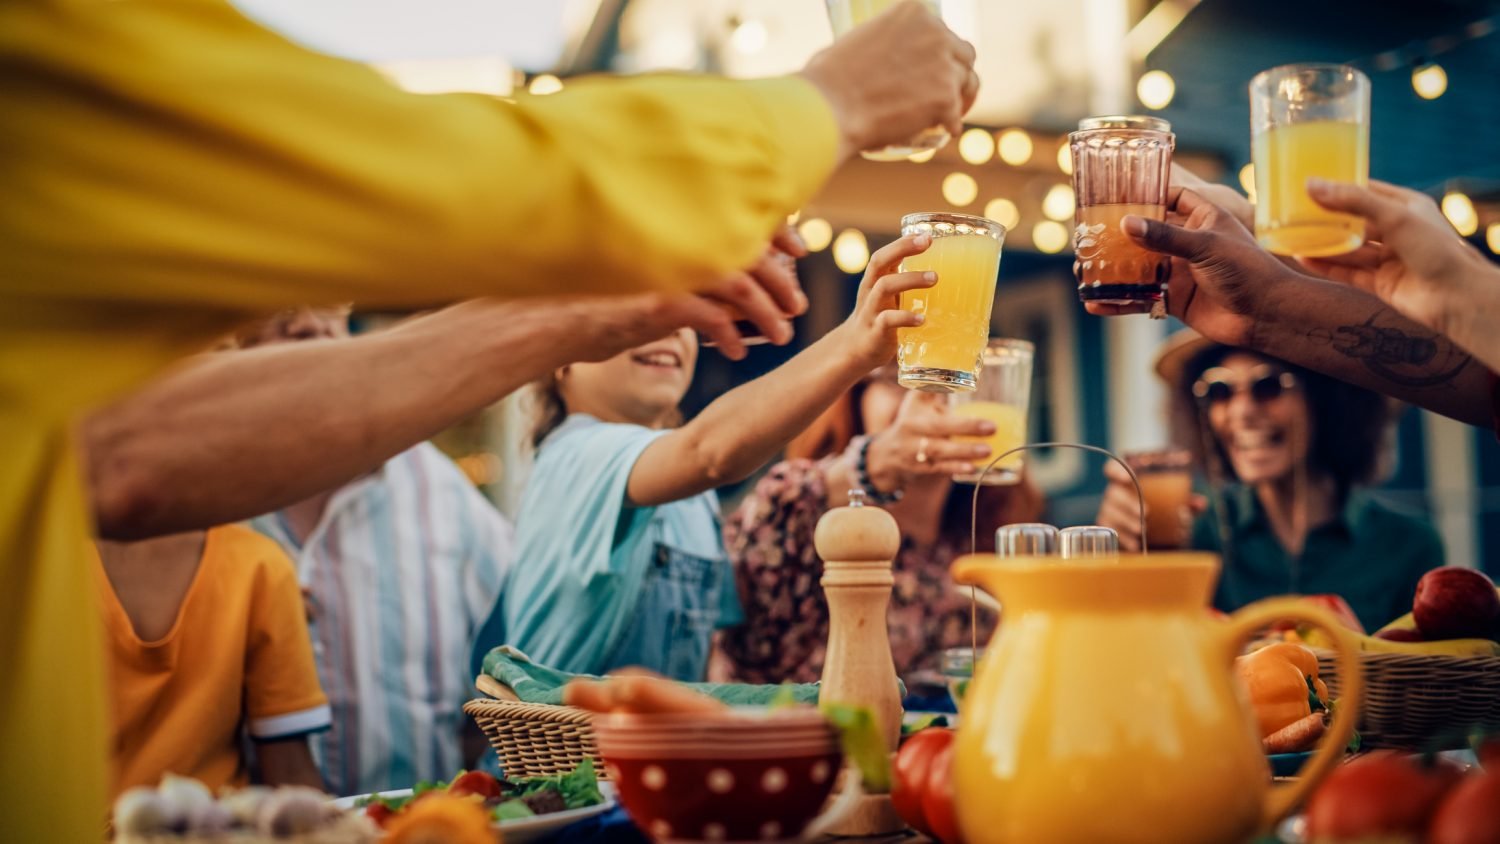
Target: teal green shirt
1370	554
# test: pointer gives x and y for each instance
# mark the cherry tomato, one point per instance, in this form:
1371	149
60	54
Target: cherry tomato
379	813
937	799
475	782
912	768
923	793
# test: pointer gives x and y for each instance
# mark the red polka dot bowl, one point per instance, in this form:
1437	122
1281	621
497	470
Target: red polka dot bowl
748	775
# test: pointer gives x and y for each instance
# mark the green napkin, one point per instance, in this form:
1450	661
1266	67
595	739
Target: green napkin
535	683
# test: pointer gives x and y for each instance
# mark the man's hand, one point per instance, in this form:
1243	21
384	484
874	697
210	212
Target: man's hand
1412	259
1221	278
894	76
767	294
870	331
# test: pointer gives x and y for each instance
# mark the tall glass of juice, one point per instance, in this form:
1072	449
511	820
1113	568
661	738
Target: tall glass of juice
1003	397
1120	166
844	15
942	355
1308	120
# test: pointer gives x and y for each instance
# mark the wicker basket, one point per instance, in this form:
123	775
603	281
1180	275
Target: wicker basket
534	739
1422	702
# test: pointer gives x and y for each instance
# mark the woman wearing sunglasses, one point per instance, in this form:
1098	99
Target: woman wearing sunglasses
1286	451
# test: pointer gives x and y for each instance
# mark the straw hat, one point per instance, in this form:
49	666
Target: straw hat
1176	352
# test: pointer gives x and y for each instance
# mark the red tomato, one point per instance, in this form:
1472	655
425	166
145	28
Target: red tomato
937	800
379	813
1470	814
1381	794
912	770
475	782
1489	754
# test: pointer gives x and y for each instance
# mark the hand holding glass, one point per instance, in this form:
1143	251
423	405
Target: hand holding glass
942	355
844	15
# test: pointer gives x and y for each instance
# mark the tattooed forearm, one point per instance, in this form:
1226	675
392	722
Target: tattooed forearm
1399	354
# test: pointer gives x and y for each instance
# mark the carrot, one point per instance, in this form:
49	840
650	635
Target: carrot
1296	736
593	695
644	692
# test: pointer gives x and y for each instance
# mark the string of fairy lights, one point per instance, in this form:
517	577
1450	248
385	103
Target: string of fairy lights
1155	89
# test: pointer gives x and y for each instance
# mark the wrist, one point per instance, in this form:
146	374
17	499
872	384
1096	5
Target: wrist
883	465
844	117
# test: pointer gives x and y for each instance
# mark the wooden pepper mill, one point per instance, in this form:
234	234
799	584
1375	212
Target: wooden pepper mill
857	544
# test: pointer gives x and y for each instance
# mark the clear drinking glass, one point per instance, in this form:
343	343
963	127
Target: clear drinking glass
1004	398
943	354
1121	166
844	15
1166	478
1308	120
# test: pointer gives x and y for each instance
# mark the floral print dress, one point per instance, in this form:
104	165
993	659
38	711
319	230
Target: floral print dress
770	543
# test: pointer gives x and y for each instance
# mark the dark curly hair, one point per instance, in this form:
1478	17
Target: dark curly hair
1352	428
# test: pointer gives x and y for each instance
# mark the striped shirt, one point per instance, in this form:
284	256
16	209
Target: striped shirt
399	573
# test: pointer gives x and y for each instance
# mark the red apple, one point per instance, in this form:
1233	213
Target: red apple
1456	603
1470	814
1400	634
1381	794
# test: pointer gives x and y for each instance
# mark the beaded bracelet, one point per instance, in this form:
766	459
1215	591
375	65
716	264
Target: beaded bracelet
862	475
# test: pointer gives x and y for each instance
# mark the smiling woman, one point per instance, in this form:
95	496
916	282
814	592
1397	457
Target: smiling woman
1287	451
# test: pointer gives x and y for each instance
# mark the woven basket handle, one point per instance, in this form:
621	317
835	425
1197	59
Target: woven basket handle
1284	797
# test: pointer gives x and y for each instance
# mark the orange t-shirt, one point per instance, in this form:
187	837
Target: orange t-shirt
238	653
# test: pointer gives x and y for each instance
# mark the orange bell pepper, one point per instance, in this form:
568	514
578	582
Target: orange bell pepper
1278	679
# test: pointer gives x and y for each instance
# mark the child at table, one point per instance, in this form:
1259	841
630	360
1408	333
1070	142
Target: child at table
620	560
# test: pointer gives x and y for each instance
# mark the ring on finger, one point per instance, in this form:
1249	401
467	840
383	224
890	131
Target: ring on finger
922	450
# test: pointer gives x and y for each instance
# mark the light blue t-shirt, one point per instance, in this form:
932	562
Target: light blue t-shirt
599	584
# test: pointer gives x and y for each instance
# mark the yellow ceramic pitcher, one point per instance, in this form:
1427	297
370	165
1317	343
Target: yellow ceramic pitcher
1105	709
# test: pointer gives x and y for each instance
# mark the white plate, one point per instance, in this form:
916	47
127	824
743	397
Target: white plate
520	830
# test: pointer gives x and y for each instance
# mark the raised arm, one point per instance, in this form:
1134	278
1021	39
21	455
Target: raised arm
1232	291
1413	261
745	427
169	154
229	436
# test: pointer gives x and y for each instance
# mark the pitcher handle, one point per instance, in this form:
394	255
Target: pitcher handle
1284	797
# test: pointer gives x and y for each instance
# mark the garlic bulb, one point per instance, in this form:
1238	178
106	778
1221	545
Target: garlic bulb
141	811
294	810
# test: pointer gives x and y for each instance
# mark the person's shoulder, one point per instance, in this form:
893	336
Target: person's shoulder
583	437
1394	525
247	553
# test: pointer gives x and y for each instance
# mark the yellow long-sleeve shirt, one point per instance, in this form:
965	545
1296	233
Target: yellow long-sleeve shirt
168	168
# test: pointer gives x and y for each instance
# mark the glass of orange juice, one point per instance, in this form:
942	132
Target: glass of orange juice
844	15
1308	120
1120	166
942	355
1004	398
1166	478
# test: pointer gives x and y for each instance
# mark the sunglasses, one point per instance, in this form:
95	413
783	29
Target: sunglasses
1218	385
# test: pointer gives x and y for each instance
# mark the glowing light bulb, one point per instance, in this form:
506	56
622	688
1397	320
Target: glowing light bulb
1049	236
1156	89
850	251
1459	210
1429	81
960	189
1004	212
816	233
1247	181
1058	203
976	146
1065	158
1015	147
1492	237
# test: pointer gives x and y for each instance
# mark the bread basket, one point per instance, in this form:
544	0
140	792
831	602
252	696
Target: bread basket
1422	702
533	739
